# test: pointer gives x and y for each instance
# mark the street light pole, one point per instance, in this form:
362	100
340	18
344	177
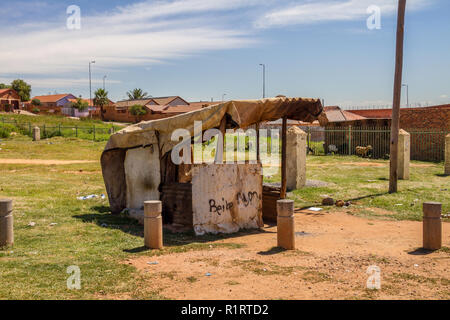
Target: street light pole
407	94
264	79
90	81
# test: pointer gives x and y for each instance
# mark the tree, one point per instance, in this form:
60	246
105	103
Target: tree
137	94
22	88
101	100
36	102
80	105
137	111
4	86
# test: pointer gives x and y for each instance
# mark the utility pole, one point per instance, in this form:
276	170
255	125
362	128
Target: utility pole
395	125
264	79
90	81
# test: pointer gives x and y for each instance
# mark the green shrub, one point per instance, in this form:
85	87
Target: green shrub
5	130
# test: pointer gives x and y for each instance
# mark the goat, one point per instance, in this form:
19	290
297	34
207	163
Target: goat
364	151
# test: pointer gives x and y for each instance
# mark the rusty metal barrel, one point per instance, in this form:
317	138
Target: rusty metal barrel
432	225
6	223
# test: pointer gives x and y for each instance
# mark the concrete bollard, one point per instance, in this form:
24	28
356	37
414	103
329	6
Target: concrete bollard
153	226
404	154
447	155
296	158
6	223
36	134
285	224
432	226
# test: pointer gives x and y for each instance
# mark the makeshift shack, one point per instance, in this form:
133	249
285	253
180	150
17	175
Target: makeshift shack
209	198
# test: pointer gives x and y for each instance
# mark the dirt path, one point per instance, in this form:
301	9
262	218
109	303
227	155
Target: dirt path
43	162
334	252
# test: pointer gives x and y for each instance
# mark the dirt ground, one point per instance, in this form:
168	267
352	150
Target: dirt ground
43	162
334	251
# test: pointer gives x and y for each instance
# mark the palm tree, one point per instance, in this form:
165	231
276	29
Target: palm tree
101	100
137	94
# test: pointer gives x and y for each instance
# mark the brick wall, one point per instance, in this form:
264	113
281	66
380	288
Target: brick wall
437	117
432	117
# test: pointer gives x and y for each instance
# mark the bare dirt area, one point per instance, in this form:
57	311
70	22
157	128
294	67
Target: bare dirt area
43	162
334	251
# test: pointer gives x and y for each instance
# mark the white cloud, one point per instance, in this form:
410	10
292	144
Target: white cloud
309	12
153	32
444	96
137	35
38	82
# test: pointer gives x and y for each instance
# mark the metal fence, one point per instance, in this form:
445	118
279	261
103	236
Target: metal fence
95	133
426	144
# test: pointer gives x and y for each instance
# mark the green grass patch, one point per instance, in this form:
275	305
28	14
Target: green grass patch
351	178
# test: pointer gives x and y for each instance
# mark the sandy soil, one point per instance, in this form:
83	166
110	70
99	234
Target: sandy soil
334	252
43	162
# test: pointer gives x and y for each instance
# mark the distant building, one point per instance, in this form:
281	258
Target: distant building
91	111
171	101
9	100
435	117
156	108
52	104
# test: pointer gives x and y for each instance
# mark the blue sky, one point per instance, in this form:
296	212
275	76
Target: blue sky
201	49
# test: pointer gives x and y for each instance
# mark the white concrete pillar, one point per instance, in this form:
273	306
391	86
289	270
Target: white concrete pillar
432	226
153	226
404	154
296	158
6	223
447	155
285	224
36	134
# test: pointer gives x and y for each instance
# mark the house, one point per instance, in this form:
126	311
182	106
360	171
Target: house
92	110
52	103
168	101
9	100
156	108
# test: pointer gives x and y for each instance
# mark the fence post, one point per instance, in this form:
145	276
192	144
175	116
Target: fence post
59	127
285	224
6	223
153	230
76	131
432	225
45	132
94	132
36	134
